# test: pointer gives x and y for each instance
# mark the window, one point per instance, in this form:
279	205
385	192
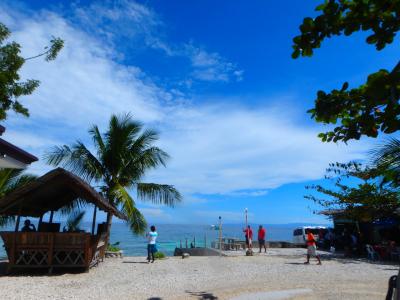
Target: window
298	232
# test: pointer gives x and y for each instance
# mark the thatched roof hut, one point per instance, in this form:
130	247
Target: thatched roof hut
47	247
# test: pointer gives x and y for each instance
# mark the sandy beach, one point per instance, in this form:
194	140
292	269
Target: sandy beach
280	274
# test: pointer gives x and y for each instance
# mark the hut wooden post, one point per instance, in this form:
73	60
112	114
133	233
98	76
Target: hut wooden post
50	252
40	222
94	219
51	217
17	223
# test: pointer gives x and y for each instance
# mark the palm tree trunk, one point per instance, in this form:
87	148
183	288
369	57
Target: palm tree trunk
109	222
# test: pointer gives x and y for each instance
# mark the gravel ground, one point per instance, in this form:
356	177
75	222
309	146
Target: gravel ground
280	274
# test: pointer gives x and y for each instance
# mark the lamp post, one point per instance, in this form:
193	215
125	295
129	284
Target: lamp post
220	235
245	213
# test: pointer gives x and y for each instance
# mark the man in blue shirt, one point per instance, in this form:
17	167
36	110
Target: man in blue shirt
151	246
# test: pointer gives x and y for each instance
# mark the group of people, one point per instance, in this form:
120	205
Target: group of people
310	242
262	233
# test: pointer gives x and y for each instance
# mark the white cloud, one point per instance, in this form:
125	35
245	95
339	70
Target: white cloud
228	149
115	21
251	193
153	212
211	66
82	85
129	20
222	148
28	140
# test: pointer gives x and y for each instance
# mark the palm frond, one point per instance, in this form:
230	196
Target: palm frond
6	221
139	163
136	220
74	220
387	154
121	133
10	180
18	182
97	140
6	175
144	141
78	159
158	193
386	159
73	206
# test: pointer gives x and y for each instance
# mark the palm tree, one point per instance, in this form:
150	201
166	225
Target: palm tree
123	155
11	179
386	158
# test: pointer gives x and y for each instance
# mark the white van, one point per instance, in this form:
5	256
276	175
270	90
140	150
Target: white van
299	234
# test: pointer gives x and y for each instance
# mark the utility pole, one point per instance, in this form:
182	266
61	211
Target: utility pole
220	236
245	213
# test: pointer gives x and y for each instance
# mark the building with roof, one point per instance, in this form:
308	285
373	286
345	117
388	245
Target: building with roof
12	156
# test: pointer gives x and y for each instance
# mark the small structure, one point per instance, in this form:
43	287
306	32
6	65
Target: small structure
372	231
49	248
13	157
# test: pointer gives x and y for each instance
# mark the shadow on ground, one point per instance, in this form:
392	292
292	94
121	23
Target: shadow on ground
203	295
36	271
134	262
342	260
358	260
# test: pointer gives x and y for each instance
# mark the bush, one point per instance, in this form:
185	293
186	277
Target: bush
113	247
159	255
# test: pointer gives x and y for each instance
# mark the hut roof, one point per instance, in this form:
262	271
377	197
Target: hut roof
51	192
332	212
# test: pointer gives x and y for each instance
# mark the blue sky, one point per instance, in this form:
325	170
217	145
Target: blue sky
215	78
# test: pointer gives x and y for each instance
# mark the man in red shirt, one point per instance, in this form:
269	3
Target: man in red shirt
261	238
248	233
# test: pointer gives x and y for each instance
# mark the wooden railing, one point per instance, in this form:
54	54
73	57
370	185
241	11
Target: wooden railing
53	249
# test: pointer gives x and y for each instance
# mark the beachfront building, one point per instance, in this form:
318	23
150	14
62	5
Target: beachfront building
48	247
372	231
13	157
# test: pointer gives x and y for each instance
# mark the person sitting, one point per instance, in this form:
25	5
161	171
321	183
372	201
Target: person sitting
28	226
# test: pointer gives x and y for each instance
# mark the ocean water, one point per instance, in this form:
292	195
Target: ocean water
173	235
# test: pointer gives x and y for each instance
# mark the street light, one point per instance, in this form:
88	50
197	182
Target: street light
245	213
220	235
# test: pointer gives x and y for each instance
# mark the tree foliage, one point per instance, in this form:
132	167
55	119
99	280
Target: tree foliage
358	191
373	106
11	61
10	180
123	155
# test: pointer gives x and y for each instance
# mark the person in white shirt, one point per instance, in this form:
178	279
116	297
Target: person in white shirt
151	246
